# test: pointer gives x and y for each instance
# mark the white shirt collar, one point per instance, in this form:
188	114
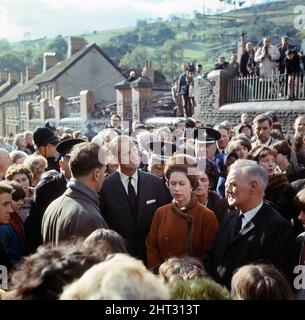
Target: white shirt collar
249	215
125	179
267	143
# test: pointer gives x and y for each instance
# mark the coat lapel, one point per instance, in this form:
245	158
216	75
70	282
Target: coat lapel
259	219
141	197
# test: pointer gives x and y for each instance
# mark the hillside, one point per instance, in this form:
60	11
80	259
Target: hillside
170	43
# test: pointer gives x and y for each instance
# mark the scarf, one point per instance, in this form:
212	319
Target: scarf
183	213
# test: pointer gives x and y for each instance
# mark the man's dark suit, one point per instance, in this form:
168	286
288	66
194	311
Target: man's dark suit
45	192
267	238
116	211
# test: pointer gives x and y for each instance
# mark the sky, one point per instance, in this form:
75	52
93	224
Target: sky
32	19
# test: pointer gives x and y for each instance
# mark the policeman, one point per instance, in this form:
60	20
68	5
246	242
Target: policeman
46	141
205	149
160	152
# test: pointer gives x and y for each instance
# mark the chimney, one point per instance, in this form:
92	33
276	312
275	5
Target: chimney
75	44
148	71
49	60
13	77
30	73
3	77
22	78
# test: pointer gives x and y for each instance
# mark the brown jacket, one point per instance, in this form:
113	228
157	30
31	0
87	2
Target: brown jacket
168	234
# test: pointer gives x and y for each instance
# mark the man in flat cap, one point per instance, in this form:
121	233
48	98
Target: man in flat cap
46	191
45	141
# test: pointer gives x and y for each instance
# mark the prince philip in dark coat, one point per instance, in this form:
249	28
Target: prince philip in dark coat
129	198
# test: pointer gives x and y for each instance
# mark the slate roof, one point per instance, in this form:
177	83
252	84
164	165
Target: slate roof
12	94
53	73
6	86
64	65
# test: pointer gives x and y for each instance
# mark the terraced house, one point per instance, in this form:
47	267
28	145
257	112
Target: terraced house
28	101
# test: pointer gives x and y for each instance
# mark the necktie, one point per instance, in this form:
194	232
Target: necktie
132	197
238	224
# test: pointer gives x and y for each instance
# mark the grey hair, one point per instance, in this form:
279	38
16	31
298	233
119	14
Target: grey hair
17	154
252	170
298	119
117	142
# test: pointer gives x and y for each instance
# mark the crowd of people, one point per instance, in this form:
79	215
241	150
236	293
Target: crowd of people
194	211
262	63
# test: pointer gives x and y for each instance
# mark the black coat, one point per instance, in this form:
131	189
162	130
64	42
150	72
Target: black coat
45	192
116	211
281	195
267	238
218	205
221	66
292	66
4	259
53	164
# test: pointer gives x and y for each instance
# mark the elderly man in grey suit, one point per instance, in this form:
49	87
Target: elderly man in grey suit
129	197
77	213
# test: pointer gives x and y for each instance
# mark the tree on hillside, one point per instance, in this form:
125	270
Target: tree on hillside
136	58
117	51
173	18
27	36
234	2
4	45
38	61
12	63
172	57
197	15
58	45
126	38
27	57
141	24
190	26
162	34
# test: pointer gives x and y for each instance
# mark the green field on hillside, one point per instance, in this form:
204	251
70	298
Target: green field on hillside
201	38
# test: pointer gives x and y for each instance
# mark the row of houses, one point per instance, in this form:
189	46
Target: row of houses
86	67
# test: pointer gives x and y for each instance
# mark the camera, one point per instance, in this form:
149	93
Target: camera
266	50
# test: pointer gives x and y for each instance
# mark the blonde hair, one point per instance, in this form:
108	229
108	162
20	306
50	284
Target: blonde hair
177	269
121	277
37	165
